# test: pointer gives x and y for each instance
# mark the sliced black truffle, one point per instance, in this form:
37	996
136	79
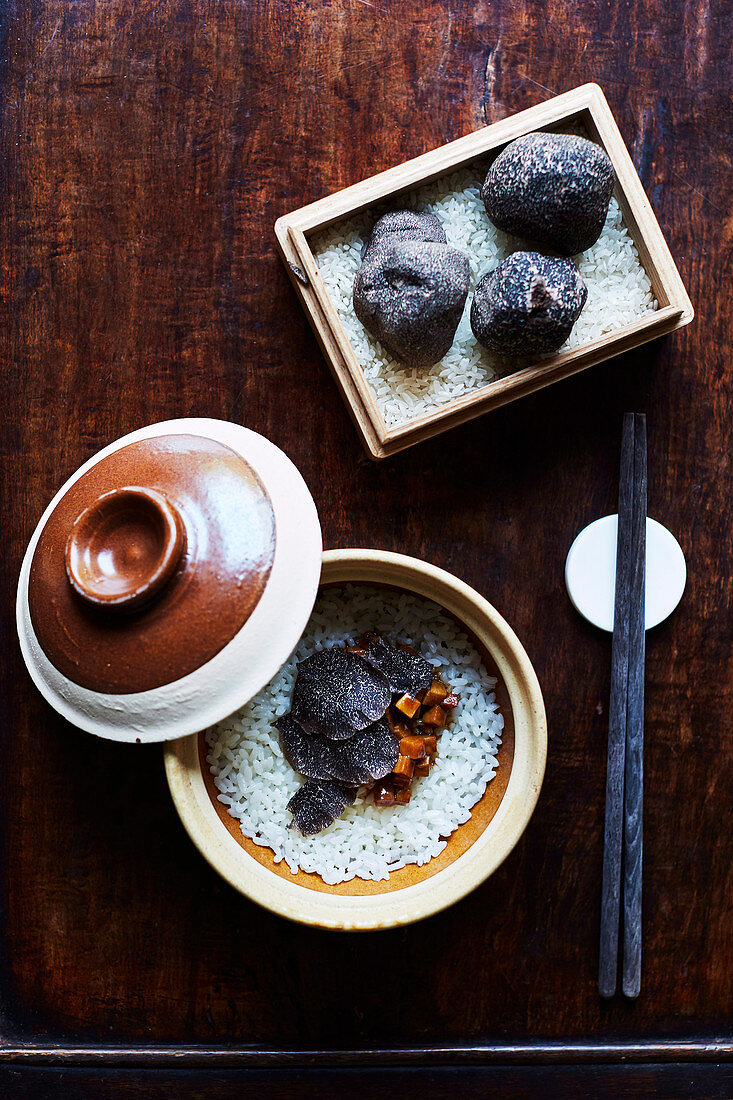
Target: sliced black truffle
370	754
406	225
338	693
410	294
312	756
527	305
317	804
550	188
404	671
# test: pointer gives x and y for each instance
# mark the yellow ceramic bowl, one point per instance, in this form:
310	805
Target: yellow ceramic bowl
474	850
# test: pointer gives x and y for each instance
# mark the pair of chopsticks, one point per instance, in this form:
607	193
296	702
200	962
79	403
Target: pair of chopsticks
625	769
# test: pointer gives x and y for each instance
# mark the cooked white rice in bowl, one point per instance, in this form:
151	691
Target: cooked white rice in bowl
255	782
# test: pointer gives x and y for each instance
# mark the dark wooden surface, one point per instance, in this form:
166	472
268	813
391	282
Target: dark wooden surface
607	1082
147	149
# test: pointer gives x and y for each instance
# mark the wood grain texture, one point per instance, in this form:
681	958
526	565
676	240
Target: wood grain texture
561	1083
147	150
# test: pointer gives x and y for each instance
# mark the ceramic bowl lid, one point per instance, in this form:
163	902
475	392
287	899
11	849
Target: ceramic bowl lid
168	580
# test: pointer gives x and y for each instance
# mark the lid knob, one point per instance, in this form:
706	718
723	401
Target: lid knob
124	548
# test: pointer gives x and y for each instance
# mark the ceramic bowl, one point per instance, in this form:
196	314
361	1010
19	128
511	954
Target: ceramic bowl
473	851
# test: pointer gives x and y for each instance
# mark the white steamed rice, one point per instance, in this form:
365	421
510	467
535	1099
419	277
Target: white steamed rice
619	292
256	782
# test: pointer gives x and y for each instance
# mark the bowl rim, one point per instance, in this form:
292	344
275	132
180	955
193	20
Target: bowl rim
416	901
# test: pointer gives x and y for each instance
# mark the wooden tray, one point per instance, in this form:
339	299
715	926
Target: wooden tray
586	105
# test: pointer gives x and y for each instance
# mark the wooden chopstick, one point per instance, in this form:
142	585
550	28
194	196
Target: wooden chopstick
634	778
613	835
625	767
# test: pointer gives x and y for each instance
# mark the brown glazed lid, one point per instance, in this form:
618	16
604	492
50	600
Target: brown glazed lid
150	563
168	580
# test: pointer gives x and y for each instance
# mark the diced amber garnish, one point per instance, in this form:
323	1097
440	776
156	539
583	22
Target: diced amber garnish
436	693
357	649
404	767
431	745
384	795
408	705
412	746
397	723
422	768
451	701
434	717
403	796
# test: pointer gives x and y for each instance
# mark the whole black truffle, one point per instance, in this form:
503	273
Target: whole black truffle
550	188
410	292
406	225
527	305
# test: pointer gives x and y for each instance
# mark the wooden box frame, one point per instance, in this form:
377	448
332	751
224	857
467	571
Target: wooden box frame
586	104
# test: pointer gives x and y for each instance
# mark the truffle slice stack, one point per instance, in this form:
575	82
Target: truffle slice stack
336	734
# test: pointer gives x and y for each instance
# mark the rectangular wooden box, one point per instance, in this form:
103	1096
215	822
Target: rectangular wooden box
586	105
